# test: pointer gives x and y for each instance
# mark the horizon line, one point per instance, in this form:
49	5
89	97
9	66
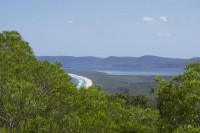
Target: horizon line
114	56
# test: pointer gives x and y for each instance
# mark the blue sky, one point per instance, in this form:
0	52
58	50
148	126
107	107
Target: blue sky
168	28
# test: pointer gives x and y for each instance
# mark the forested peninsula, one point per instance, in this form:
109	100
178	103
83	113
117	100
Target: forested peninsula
38	96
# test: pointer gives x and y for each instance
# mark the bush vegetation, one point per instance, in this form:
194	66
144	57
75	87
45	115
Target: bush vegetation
37	96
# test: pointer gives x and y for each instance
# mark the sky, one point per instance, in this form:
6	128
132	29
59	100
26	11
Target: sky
102	28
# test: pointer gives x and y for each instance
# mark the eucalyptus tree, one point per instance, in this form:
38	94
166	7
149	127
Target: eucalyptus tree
179	99
37	96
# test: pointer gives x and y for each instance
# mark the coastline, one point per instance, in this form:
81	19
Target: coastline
83	81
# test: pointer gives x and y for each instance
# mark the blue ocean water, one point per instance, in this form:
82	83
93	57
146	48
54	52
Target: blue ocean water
78	81
74	80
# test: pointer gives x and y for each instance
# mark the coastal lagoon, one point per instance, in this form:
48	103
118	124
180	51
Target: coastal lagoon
146	72
137	71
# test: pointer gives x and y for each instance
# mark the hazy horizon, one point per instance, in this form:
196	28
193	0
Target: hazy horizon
114	56
133	28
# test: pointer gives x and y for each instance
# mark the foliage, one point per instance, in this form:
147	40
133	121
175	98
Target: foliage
179	99
38	96
134	100
28	88
187	129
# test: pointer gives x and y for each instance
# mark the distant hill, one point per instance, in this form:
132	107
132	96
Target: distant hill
113	61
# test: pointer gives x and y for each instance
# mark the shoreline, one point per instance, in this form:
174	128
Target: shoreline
83	81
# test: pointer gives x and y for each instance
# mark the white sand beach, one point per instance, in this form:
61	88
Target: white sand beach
83	81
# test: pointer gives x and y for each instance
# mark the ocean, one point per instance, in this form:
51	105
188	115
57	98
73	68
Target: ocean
77	80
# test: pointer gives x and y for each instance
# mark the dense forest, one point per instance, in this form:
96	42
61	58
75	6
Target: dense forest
38	96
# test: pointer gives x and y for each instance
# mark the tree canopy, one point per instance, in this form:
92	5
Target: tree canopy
179	99
38	96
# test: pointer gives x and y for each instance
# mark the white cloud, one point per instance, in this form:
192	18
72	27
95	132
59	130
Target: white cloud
164	34
70	22
163	19
148	19
151	20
